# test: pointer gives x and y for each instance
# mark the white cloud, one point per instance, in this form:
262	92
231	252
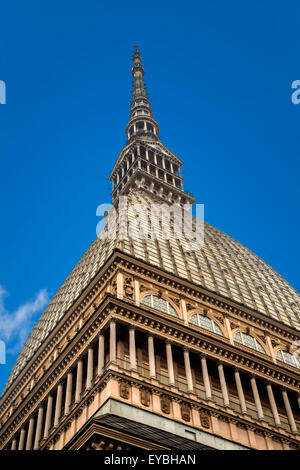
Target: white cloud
15	326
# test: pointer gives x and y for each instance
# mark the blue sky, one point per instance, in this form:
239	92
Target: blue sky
219	78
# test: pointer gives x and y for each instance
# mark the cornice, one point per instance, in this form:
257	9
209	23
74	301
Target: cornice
94	427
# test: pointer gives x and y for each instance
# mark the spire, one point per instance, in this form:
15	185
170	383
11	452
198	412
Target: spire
141	122
138	72
145	162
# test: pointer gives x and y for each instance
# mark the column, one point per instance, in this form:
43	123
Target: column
79	377
206	377
137	291
30	434
22	439
271	349
256	397
120	290
289	411
223	384
113	342
101	354
273	404
170	363
151	356
240	391
132	349
184	311
38	432
188	371
69	392
14	444
48	416
90	368
58	403
228	327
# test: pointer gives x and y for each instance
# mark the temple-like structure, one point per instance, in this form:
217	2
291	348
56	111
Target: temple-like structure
151	343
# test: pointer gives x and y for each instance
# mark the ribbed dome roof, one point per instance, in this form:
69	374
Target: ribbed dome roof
222	265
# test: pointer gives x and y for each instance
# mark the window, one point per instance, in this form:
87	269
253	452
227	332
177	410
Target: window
206	323
288	358
149	127
159	304
248	341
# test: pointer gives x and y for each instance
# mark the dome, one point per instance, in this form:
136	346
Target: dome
223	266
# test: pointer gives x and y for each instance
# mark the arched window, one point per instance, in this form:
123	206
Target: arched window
288	358
248	341
206	323
159	304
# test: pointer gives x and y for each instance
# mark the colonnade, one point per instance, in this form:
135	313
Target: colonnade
162	167
60	401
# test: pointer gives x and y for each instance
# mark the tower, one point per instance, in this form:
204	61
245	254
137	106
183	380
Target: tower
151	343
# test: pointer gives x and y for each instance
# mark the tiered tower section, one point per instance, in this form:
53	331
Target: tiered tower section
145	162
